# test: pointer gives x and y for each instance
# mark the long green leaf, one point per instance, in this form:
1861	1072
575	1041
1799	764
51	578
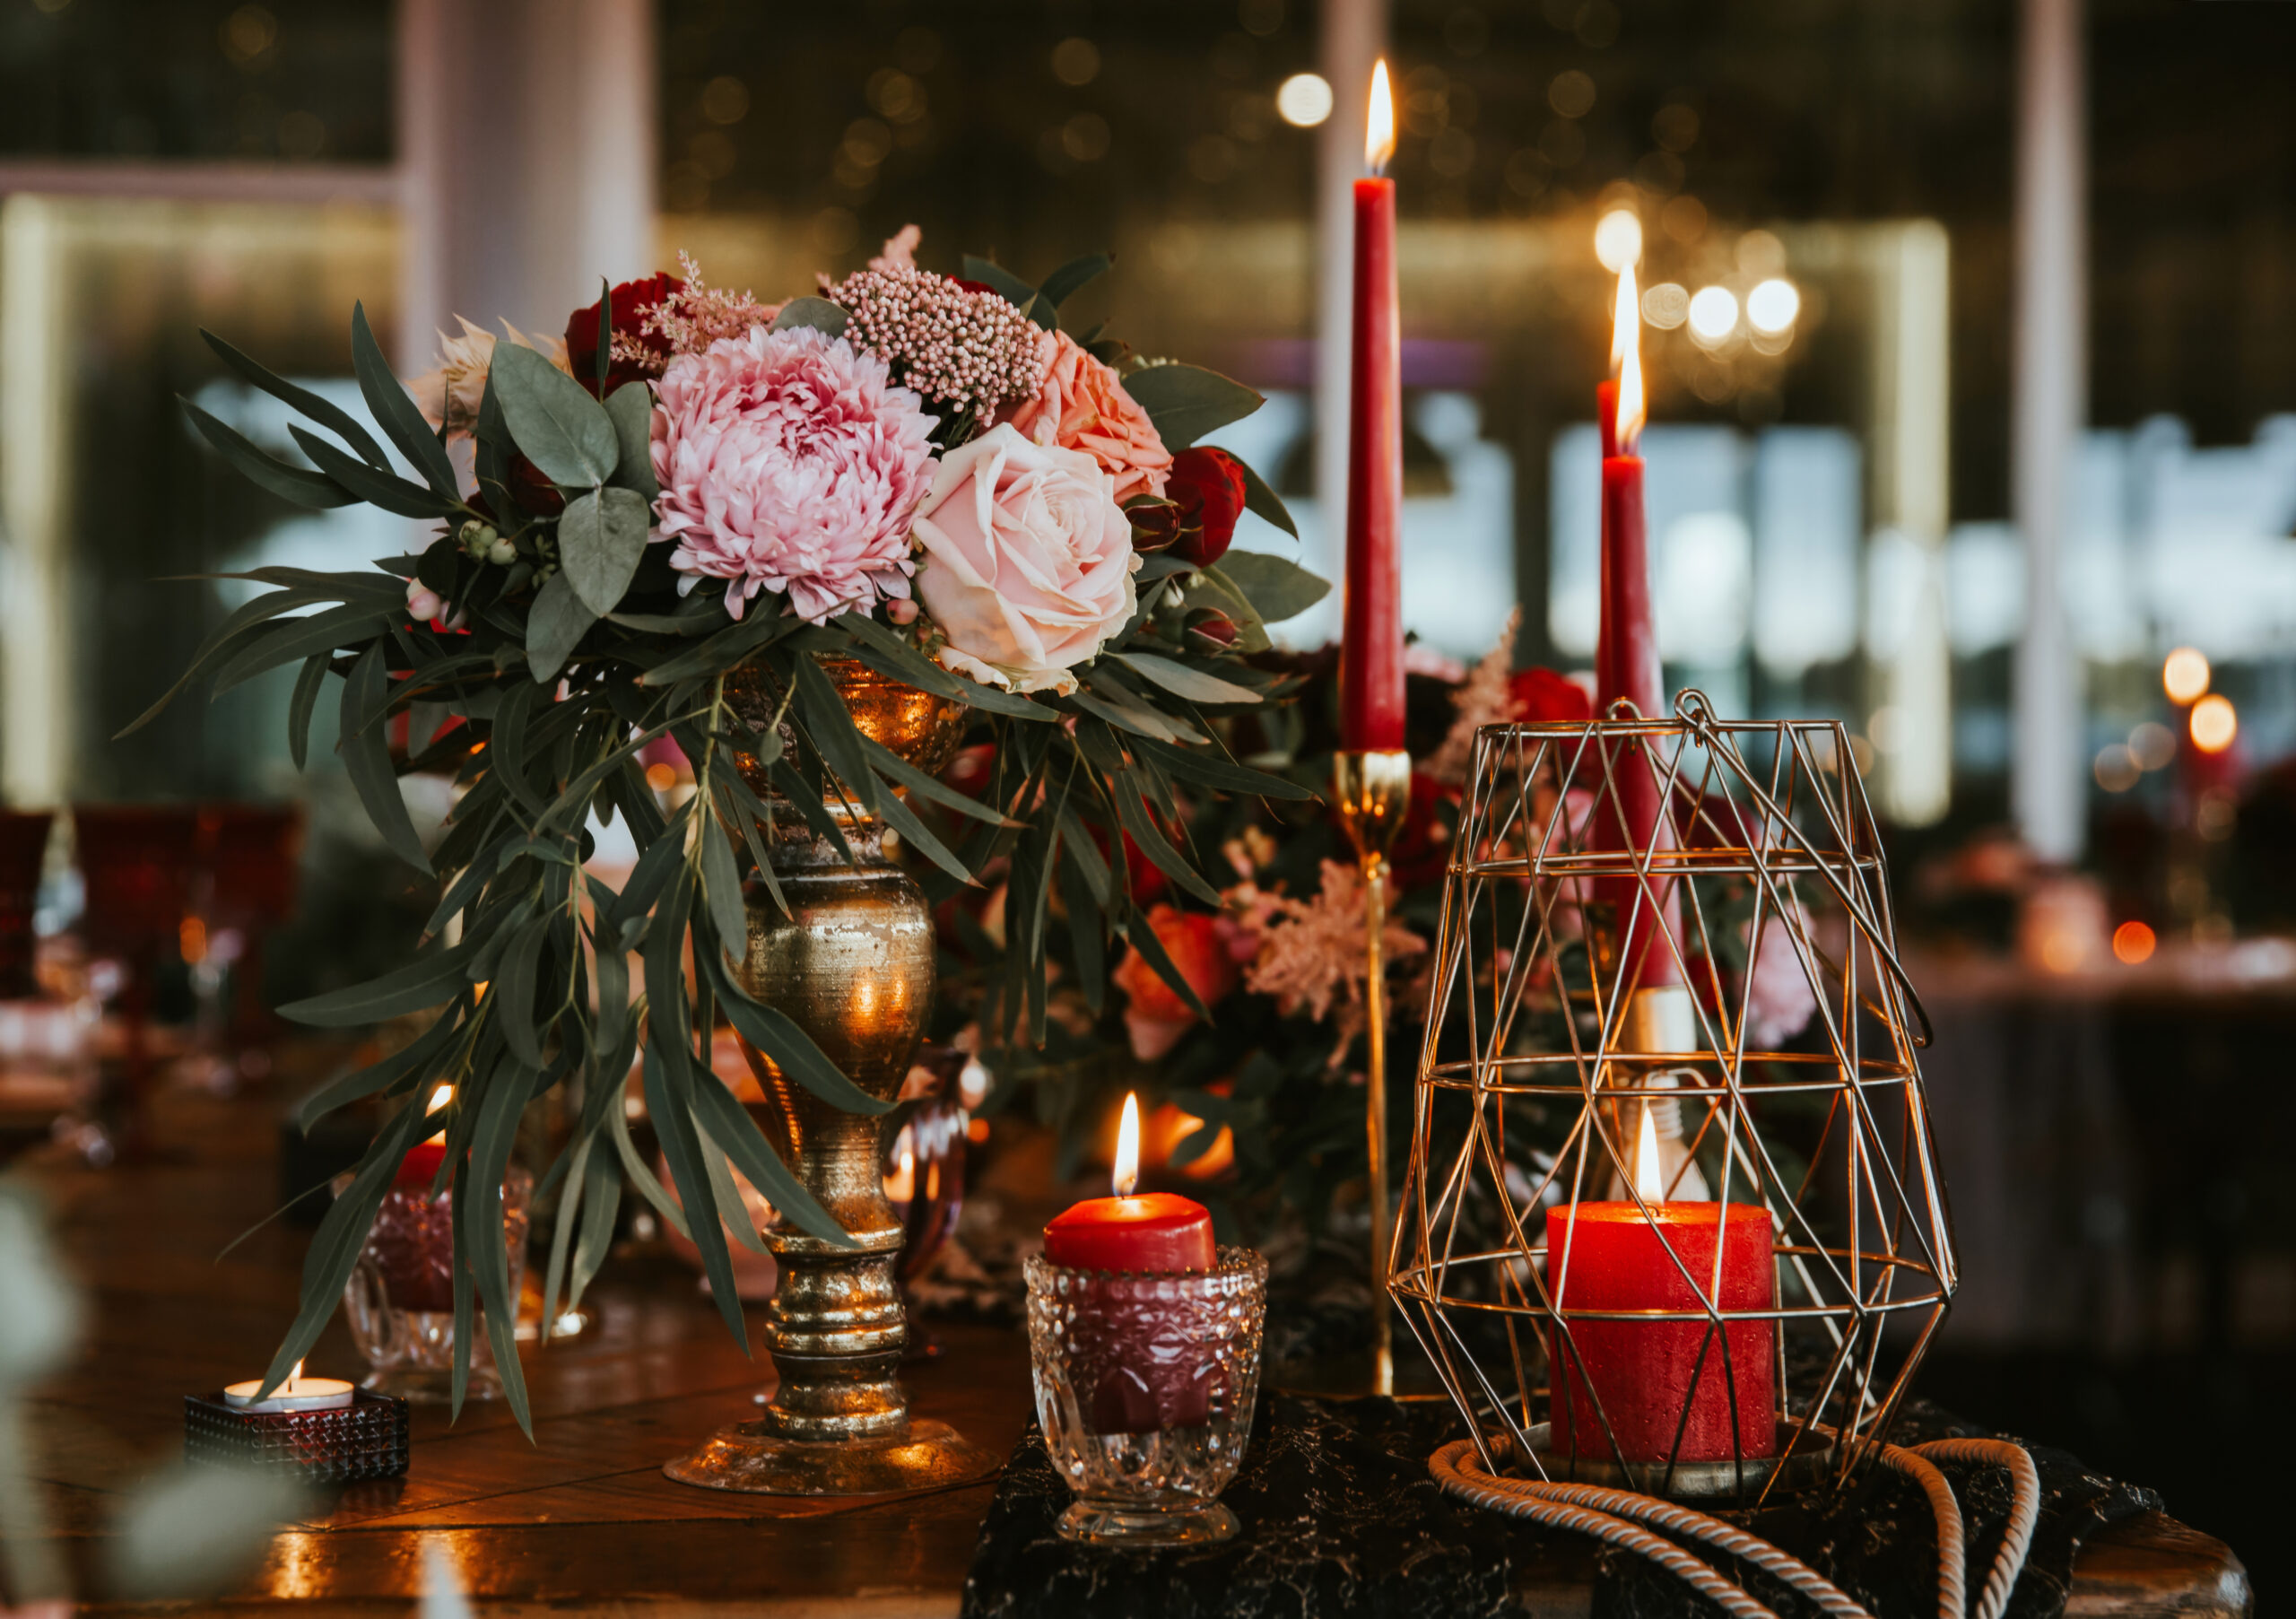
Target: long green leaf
670	1096
1207	770
1153	842
241	622
829	725
480	1214
776	1034
422	983
1143	938
285	479
1181	681
733	1129
394	413
899	771
890	653
387	490
326	412
560	427
294	638
300	707
410	1061
721	885
366	754
722	1187
601	1205
513	982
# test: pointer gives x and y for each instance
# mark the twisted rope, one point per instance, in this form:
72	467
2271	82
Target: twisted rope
1615	1515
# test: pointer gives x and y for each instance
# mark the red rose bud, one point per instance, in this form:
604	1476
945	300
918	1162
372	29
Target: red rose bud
1155	524
633	301
1207	485
1212	627
1542	697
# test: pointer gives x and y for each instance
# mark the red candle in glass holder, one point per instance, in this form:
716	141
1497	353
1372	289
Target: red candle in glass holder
1149	1380
1647	1374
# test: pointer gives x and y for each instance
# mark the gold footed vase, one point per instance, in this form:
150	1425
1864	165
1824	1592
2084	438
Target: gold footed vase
852	963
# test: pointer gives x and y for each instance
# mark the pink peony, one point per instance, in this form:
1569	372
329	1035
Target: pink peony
1081	405
1780	1001
1028	561
790	461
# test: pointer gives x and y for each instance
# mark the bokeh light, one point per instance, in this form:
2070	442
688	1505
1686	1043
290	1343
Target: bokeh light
2152	745
2115	768
1618	239
1304	100
1772	306
1713	313
1666	305
2185	674
2215	724
2133	943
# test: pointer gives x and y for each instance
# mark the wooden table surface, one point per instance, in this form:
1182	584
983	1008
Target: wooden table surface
581	1518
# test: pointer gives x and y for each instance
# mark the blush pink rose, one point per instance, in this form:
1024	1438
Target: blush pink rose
1028	561
1081	405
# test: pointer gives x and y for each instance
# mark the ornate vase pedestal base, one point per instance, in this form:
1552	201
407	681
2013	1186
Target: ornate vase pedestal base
931	1456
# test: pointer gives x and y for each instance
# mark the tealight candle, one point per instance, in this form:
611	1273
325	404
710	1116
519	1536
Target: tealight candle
297	1393
1157	1232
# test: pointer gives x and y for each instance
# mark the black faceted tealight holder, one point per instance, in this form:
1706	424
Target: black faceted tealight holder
366	1439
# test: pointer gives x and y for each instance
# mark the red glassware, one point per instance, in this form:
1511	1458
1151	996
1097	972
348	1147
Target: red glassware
23	848
136	862
251	855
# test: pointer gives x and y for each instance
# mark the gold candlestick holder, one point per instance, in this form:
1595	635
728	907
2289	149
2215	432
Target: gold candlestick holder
1372	791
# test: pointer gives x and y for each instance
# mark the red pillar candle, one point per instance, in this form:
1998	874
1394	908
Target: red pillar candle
1613	1256
1626	662
1147	1375
1370	647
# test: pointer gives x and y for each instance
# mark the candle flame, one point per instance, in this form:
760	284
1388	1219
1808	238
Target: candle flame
1649	1168
1626	355
294	1377
440	1097
1379	122
1127	1148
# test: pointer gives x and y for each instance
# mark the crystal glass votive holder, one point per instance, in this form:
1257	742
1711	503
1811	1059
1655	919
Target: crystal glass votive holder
365	1440
400	1297
1144	1385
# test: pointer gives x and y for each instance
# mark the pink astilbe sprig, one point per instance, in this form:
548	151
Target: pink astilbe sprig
789	461
690	319
969	349
1311	953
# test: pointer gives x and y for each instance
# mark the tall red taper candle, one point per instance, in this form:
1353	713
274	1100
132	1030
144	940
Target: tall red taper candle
1626	658
1370	647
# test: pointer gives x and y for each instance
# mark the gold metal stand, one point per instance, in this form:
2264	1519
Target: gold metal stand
1372	790
853	963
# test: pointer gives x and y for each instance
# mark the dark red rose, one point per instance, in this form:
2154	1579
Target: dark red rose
534	492
1543	697
1207	485
633	301
1155	524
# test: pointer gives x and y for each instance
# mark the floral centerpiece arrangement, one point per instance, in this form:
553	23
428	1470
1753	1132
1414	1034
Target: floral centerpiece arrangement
931	474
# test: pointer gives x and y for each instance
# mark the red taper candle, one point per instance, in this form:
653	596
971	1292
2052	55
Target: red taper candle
1370	647
1626	663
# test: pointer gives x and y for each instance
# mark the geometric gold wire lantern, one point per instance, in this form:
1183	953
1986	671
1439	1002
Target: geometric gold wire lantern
1672	1179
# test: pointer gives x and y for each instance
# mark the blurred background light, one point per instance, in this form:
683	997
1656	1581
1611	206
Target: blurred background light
2215	724
2184	675
1666	306
1713	313
1773	304
1618	239
1304	100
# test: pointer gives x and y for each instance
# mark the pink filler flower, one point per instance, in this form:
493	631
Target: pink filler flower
789	461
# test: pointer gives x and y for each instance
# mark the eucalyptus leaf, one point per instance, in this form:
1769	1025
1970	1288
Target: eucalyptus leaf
818	313
366	755
999	280
1062	284
555	424
324	411
1276	586
1262	500
601	539
632	407
300	707
1186	402
387	490
395	413
422	983
555	626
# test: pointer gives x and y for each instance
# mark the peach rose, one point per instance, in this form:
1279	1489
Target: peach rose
1028	561
1083	406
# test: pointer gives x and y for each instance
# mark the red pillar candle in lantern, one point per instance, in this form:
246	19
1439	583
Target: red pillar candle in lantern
1148	1373
1370	647
1604	1257
1626	661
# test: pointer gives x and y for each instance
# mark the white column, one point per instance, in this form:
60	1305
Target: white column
2049	395
1355	32
527	140
37	709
